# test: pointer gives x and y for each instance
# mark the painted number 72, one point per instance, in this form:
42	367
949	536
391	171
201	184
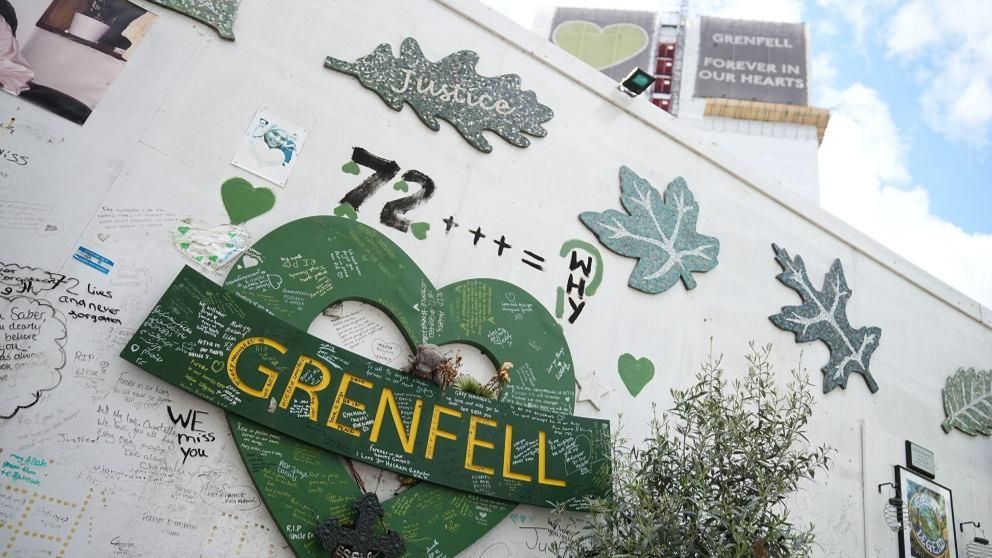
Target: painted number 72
385	170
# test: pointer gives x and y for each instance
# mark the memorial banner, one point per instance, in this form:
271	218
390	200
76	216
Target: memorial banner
226	351
752	61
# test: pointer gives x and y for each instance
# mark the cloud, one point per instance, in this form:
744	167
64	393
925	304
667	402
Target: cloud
859	14
911	29
766	10
950	47
825	72
864	180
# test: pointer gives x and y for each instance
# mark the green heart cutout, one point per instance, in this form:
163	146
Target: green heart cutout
401	186
419	230
350	167
601	47
347	211
244	201
635	372
395	283
184	245
183	229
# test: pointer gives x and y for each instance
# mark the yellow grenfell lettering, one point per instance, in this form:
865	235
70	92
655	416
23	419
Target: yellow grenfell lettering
473	425
387	399
435	431
311	389
232	366
508	457
542	462
341	399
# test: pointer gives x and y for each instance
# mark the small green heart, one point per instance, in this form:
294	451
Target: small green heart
346	210
229	245
184	245
244	201
231	234
212	258
419	230
183	229
199	258
401	186
350	167
635	372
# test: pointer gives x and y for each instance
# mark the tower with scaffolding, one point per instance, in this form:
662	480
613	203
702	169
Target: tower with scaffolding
742	84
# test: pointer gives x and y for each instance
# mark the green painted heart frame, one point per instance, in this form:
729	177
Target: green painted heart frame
322	260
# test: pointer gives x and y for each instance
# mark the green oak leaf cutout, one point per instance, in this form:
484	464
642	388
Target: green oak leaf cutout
243	201
968	402
635	372
383	73
601	47
350	167
659	232
823	317
419	230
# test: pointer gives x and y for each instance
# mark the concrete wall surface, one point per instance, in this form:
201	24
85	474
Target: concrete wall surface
158	146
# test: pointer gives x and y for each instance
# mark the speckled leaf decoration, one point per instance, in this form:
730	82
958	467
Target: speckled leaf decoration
450	90
823	316
219	14
968	402
661	233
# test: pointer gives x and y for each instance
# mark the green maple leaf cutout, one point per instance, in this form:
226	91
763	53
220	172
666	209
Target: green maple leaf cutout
968	402
661	233
823	317
387	76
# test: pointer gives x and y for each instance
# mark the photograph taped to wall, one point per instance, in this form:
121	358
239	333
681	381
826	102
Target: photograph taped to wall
74	54
928	517
270	147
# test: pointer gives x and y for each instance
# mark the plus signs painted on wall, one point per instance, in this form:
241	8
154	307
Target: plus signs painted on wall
502	245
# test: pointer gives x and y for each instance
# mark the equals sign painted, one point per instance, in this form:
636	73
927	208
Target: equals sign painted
92	259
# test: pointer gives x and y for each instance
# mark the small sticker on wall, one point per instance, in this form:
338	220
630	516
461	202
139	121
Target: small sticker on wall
270	147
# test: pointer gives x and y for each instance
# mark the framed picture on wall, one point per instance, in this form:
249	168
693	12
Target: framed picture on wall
928	529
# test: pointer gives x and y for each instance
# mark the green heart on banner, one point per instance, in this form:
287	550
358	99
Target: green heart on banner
635	372
601	47
244	201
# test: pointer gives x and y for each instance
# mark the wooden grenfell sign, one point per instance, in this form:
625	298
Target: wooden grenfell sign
340	401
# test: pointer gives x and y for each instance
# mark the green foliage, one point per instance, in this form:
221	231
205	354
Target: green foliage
712	479
471	385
